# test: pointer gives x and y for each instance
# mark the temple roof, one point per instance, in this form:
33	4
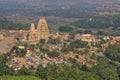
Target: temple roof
42	24
32	27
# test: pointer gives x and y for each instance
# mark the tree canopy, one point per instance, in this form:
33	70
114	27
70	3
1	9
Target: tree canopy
113	52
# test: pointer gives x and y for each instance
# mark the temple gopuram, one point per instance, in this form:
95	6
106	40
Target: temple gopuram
42	32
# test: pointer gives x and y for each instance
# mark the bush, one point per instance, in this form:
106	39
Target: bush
53	53
113	52
65	29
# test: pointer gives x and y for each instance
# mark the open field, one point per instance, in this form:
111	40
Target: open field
108	13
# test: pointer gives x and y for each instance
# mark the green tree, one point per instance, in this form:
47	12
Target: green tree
105	71
65	29
53	53
42	41
24	71
3	59
113	52
5	70
42	72
84	68
53	71
118	71
79	44
90	76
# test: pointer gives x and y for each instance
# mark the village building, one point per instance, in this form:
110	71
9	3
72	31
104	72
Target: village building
117	39
77	37
87	37
1	36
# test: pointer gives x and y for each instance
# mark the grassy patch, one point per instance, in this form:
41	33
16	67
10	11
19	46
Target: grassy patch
19	78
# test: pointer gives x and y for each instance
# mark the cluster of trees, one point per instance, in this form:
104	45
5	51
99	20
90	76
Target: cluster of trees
113	52
19	52
99	22
64	73
19	77
3	68
75	44
53	53
102	71
105	71
54	41
65	29
9	25
79	44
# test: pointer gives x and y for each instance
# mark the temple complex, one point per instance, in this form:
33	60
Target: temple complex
42	32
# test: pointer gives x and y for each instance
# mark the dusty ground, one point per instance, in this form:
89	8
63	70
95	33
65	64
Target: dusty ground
6	44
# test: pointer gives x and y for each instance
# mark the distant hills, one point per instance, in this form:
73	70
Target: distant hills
30	10
56	4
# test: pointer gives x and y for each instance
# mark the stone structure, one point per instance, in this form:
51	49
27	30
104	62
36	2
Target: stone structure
42	32
87	37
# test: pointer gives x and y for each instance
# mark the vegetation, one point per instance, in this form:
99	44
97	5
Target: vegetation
74	44
79	44
65	73
54	41
24	71
113	52
19	52
99	72
3	59
67	48
105	71
53	53
65	29
99	22
9	25
42	72
106	67
8	77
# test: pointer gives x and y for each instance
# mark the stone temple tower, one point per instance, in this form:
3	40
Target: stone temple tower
32	34
42	32
42	29
32	28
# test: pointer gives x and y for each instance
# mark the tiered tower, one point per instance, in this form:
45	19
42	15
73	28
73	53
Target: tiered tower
32	34
42	29
32	28
42	32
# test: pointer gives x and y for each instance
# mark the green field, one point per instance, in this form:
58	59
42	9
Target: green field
19	78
